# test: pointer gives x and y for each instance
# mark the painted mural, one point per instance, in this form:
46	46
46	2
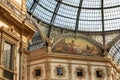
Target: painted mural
75	46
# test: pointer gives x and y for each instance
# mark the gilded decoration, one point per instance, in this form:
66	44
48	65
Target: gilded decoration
75	46
83	72
63	71
34	72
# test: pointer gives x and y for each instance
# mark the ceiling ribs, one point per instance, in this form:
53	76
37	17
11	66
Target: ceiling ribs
103	29
34	6
78	15
53	17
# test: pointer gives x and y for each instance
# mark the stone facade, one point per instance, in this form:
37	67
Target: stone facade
15	32
69	64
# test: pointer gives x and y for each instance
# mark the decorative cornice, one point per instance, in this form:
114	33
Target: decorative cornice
10	31
67	56
46	55
9	11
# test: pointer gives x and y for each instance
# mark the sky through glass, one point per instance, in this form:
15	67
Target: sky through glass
79	15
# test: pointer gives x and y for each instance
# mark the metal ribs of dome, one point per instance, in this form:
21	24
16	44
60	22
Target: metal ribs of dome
78	15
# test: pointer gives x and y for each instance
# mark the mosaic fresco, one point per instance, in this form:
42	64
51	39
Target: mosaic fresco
75	46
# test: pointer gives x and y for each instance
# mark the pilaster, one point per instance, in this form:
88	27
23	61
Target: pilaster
48	70
70	70
109	71
89	72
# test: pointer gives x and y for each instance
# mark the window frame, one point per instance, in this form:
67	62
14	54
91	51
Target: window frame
63	71
37	72
83	72
59	71
79	72
10	70
102	73
34	72
12	55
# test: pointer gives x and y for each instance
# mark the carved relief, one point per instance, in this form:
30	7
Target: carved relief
24	68
50	42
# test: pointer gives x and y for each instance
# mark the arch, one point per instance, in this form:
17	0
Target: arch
86	38
112	43
37	26
114	52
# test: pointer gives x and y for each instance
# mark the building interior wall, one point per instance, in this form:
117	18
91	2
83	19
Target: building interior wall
41	61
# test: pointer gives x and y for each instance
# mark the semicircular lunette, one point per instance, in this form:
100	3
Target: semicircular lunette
75	46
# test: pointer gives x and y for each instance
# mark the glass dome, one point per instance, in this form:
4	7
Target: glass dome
78	15
115	52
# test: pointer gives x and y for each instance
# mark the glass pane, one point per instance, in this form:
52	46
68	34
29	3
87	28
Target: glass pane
8	75
43	14
59	71
109	3
67	11
90	14
29	4
48	4
115	52
91	3
72	2
7	56
37	72
79	72
65	22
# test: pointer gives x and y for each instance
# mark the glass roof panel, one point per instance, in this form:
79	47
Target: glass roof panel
64	13
90	14
68	11
29	4
90	26
92	3
43	14
112	13
72	2
65	22
112	24
115	52
109	3
49	4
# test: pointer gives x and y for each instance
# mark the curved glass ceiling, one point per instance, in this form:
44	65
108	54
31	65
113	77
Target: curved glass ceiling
78	15
115	52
